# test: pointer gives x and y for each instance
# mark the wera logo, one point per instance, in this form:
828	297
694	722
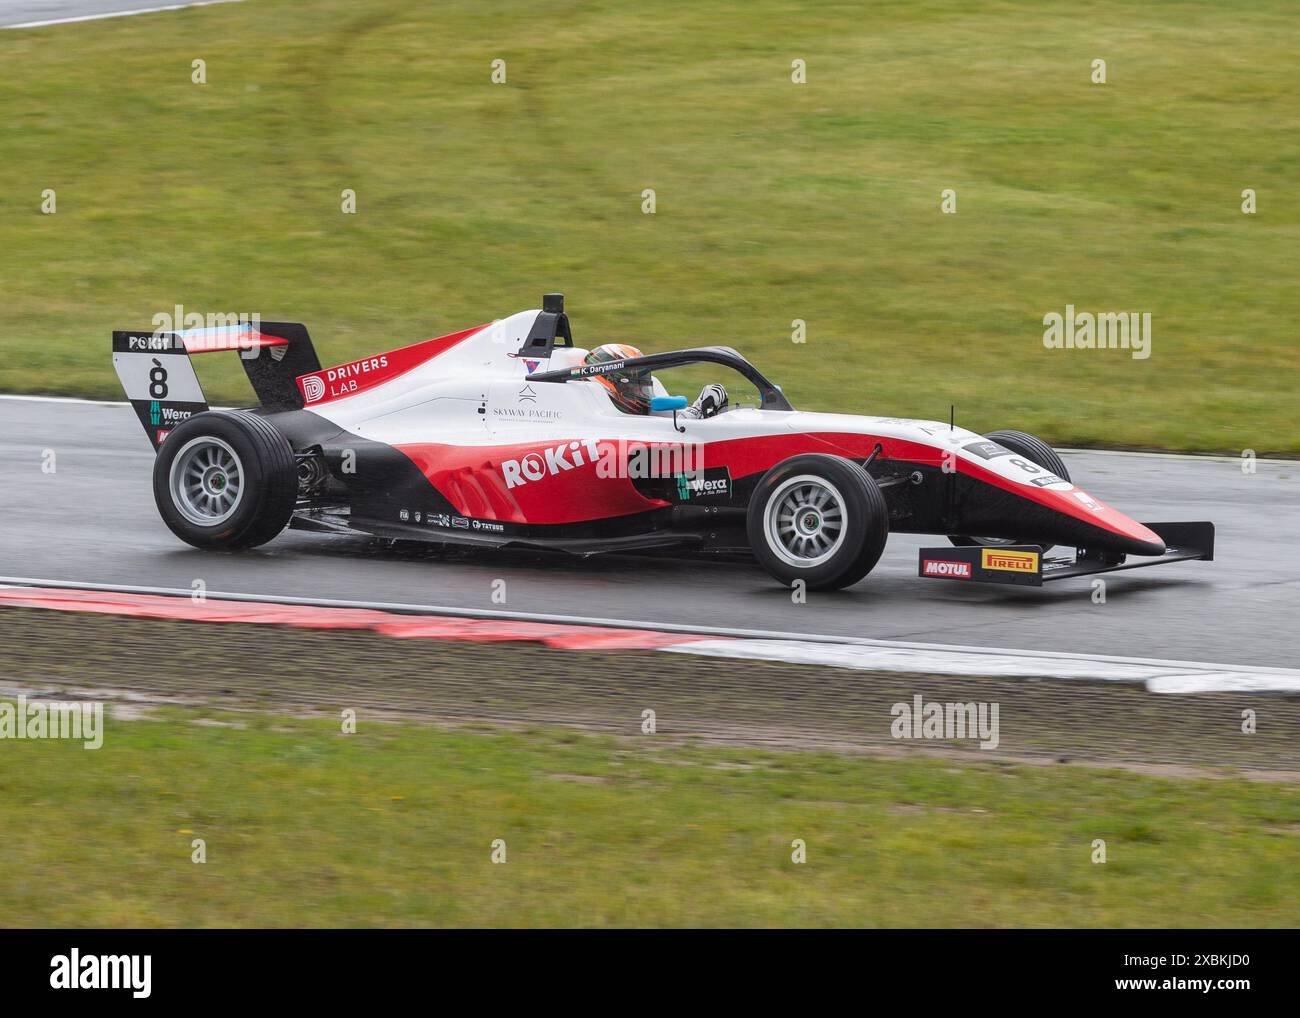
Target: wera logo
704	484
131	972
159	414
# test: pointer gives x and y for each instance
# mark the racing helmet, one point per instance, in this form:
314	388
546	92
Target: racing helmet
630	390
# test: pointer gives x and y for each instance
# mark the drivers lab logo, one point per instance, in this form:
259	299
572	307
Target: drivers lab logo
1010	561
313	388
944	567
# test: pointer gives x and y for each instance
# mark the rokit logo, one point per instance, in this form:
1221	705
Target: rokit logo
943	567
150	342
548	463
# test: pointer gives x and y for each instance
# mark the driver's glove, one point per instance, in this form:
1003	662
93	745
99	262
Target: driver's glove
711	400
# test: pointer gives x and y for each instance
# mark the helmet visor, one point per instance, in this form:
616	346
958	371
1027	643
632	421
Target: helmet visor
630	390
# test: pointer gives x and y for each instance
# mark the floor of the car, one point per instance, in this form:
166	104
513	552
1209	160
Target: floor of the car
661	539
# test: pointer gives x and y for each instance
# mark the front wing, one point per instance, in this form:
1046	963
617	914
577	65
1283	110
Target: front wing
1024	565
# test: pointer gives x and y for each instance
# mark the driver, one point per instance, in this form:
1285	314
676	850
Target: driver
631	391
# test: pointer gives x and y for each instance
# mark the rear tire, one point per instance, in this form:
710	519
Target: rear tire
1037	452
820	519
225	479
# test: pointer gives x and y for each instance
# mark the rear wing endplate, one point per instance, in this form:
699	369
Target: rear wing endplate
159	380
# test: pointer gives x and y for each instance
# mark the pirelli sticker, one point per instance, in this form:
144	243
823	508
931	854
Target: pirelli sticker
1009	561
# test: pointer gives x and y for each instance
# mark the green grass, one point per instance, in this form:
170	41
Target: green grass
775	201
394	825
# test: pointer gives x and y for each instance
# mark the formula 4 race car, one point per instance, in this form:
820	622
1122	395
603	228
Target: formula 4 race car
507	435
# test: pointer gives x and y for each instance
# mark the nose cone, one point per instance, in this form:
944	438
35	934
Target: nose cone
1141	541
1113	530
1128	535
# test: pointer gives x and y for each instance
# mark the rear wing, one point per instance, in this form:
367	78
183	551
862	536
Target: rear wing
159	380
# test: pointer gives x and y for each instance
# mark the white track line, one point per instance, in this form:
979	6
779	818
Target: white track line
1157	676
1160	675
1194	457
119	14
66	399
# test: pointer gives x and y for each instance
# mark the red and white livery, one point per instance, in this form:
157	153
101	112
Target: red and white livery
502	435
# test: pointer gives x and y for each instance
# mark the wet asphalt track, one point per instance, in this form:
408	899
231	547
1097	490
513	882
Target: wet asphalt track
94	520
25	12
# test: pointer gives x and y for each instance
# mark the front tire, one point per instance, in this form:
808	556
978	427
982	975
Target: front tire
820	519
225	479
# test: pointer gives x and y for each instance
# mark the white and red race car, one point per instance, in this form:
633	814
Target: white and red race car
504	436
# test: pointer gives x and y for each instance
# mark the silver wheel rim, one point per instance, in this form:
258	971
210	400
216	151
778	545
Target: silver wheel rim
804	521
206	481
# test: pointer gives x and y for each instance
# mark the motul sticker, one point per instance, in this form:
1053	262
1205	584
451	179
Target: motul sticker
1009	561
943	567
